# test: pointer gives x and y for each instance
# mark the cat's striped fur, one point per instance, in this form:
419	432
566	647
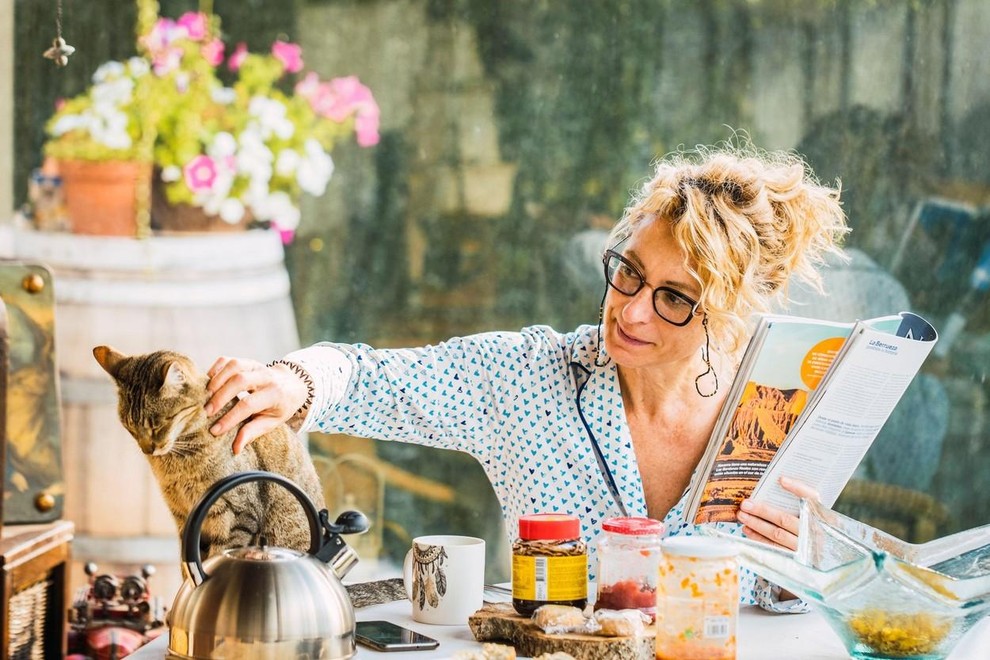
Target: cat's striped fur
161	398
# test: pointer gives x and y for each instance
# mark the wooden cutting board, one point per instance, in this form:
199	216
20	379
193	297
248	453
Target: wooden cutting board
498	622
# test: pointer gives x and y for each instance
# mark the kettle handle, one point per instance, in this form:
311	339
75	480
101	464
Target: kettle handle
191	557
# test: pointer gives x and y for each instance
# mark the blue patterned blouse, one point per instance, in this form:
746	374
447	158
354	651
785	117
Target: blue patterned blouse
544	421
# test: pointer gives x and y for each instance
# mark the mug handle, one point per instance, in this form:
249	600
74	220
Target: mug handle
407	574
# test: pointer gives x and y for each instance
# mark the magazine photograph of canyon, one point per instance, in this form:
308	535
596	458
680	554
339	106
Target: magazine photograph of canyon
791	362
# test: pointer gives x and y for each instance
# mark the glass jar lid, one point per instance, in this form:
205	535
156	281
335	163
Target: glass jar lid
633	526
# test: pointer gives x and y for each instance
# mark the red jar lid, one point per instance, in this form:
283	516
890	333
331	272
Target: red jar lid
552	526
633	526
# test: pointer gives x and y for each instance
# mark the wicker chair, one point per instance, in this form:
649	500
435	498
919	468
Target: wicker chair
908	514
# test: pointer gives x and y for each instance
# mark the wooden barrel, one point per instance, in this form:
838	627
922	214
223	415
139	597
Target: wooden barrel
202	295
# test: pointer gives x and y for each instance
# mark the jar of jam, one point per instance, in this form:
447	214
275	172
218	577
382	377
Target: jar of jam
628	560
549	563
697	599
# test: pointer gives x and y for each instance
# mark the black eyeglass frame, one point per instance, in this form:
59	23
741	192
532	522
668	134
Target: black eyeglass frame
609	254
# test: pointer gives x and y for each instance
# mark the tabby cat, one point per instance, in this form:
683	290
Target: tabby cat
161	398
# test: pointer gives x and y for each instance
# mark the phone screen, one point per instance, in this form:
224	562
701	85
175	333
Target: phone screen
388	636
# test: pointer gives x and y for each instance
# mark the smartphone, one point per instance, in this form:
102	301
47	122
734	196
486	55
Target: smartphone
388	636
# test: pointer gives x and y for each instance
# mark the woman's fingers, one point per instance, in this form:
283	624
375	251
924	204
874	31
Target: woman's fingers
799	488
751	533
257	427
770	524
267	396
769	532
229	377
771	515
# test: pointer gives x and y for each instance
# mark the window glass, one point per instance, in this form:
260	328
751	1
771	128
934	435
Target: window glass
512	134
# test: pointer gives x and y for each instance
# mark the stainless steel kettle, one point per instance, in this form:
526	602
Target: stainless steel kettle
262	602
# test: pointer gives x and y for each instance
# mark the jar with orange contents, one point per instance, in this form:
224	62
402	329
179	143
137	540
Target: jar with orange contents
697	599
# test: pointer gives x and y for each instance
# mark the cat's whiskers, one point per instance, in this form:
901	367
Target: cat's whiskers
180	449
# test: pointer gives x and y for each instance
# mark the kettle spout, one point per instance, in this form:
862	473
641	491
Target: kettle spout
334	551
344	561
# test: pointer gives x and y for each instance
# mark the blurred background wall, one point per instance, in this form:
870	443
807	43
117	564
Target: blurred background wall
6	108
512	134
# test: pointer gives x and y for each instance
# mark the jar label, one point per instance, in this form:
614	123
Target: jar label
550	578
695	627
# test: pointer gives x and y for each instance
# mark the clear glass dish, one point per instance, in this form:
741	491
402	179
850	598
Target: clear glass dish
885	598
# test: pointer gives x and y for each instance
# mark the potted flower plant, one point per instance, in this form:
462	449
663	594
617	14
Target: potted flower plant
220	155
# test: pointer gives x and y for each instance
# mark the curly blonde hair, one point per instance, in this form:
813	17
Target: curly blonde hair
746	220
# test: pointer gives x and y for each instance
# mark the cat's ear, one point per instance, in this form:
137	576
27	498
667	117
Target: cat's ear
108	359
175	377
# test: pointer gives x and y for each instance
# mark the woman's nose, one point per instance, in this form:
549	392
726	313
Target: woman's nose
639	308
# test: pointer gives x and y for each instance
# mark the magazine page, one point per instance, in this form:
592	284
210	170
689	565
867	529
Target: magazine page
769	393
870	375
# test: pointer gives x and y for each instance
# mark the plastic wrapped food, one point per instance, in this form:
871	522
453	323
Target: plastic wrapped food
555	619
621	623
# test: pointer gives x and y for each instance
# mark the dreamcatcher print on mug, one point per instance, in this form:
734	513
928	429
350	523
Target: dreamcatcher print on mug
429	581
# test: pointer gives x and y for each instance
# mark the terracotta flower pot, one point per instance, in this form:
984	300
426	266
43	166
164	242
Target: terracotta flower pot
101	196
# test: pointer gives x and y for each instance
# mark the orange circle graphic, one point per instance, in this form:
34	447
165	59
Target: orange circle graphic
817	361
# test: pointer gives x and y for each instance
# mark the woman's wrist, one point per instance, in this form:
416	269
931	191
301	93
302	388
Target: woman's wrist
298	417
331	370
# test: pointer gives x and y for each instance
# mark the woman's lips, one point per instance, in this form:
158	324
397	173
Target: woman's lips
629	338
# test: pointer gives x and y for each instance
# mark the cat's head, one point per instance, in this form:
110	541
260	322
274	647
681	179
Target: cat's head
160	397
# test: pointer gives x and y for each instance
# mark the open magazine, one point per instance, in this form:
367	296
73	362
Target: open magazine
809	398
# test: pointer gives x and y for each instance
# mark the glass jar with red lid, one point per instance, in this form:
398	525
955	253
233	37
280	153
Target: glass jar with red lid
549	563
628	561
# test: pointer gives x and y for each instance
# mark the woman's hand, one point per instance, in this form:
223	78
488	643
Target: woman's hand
268	397
768	524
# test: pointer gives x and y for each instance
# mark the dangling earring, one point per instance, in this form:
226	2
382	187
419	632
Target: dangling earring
598	346
706	356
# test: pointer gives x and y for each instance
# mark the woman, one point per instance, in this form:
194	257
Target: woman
603	421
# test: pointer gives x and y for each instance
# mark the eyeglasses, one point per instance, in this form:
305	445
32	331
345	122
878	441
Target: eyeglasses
669	304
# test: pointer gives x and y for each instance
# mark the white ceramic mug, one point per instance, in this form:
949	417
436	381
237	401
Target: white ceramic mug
445	578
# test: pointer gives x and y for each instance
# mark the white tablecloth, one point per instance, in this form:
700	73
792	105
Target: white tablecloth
762	636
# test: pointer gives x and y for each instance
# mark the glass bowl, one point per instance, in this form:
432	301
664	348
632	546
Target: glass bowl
885	598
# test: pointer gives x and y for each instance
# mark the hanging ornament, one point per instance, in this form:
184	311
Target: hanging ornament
60	51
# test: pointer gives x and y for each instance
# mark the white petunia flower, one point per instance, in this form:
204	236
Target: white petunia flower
315	170
271	116
232	211
138	66
223	145
278	206
224	95
171	173
67	123
287	162
113	92
108	71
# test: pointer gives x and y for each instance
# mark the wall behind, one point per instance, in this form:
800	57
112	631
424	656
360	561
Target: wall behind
6	108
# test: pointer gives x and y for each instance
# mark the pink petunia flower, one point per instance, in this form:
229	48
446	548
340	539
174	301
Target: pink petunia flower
213	52
195	25
237	57
366	127
308	86
160	36
200	173
166	60
287	235
319	94
290	55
